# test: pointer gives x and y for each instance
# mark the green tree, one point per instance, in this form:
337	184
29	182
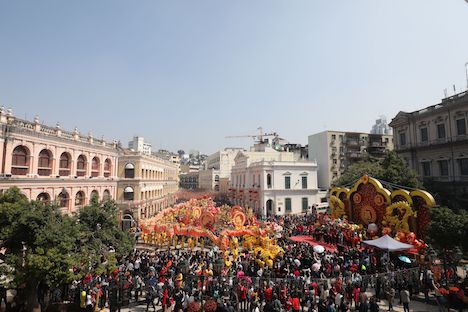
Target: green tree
391	169
395	170
40	244
357	170
448	230
99	231
447	233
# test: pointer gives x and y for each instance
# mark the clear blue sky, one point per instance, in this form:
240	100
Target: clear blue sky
184	74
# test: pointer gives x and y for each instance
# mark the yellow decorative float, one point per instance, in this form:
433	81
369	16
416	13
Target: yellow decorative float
369	202
232	229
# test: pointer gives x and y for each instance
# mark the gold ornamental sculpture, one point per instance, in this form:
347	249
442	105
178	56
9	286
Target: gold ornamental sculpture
368	202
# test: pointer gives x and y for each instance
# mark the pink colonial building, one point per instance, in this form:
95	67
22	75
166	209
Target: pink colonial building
49	164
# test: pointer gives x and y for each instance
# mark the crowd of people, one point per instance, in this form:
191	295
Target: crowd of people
299	280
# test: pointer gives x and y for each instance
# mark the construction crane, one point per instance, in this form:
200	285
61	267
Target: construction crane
259	136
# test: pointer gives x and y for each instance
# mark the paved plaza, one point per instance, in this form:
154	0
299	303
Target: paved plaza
415	306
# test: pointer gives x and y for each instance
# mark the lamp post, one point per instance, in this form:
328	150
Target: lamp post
466	70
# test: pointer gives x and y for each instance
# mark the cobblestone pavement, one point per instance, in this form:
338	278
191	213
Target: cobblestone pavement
415	306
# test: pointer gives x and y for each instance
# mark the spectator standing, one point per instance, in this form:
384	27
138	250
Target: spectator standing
364	305
373	305
405	299
390	296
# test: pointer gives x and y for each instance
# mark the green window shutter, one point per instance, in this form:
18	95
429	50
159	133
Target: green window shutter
304	182
305	204
287	182
287	203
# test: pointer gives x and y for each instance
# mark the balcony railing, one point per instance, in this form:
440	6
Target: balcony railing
352	142
356	155
457	138
140	202
455	97
377	144
25	126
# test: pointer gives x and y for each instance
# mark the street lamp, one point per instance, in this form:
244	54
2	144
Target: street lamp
466	69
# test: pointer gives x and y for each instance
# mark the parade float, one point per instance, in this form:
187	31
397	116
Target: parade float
399	213
198	223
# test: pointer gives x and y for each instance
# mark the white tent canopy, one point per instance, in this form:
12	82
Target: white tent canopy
387	243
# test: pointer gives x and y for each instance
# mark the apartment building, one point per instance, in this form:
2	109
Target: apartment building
139	145
334	151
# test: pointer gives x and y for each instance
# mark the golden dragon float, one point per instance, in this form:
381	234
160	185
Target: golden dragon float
231	229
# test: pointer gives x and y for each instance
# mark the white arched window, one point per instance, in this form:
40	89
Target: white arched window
129	171
128	193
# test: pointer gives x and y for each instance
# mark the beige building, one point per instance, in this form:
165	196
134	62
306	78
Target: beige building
217	172
334	151
208	179
434	142
223	161
50	164
224	184
147	184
